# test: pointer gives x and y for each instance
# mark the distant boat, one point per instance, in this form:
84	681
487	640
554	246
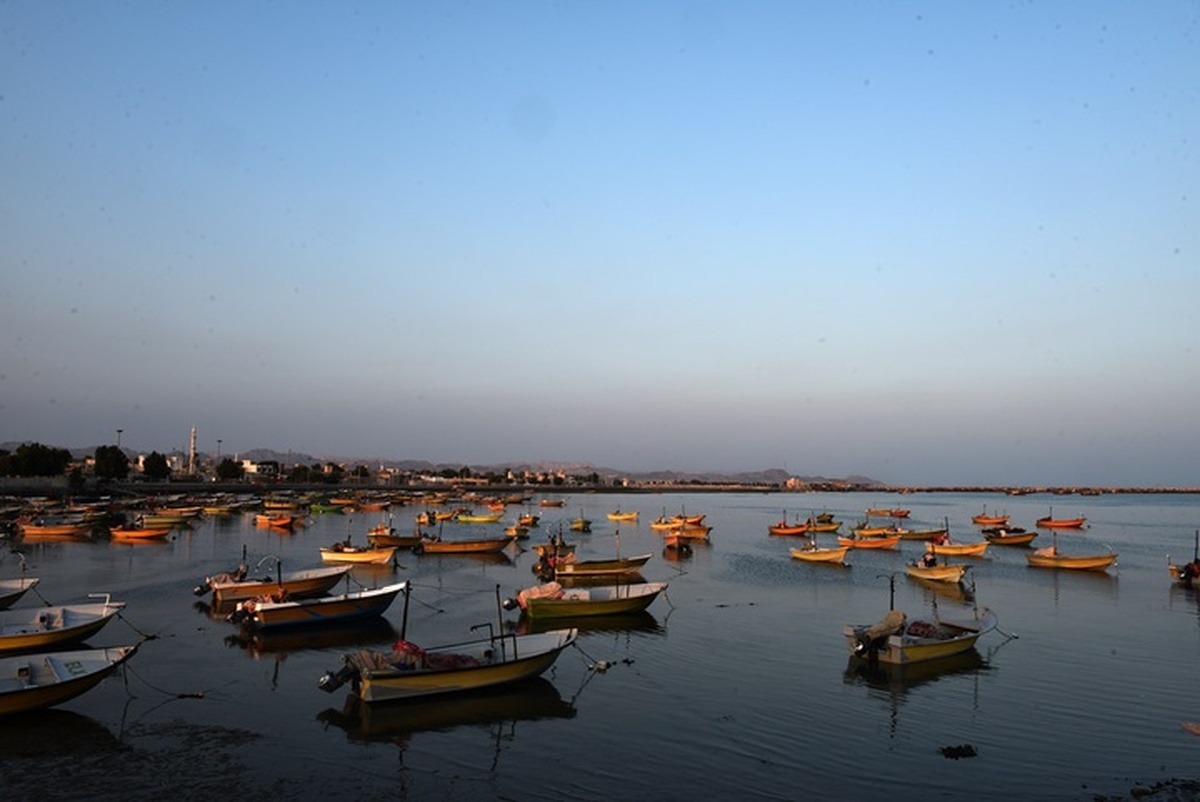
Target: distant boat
552	600
1050	522
272	613
816	554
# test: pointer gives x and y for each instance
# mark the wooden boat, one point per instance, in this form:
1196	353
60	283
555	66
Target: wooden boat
950	549
140	532
581	524
389	538
368	555
568	566
869	542
1009	537
489	545
895	640
275	521
1050	522
550	502
923	534
11	590
827	527
35	681
48	531
410	672
936	572
623	516
53	627
1186	573
866	530
489	518
983	519
878	512
899	512
1050	557
551	549
528	520
553	600
234	586
677	521
815	554
782	527
270	612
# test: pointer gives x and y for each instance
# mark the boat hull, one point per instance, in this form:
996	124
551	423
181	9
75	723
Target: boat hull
615	600
380	556
821	555
937	573
903	649
11	590
618	567
513	658
50	627
323	610
302	584
1072	563
487	546
32	682
959	549
869	542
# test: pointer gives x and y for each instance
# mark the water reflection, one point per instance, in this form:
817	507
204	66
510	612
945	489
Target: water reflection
641	621
397	722
899	680
332	636
54	732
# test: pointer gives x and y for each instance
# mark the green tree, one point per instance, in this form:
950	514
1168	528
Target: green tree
228	470
111	463
156	467
35	459
299	474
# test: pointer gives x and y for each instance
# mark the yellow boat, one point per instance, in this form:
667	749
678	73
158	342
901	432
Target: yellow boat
490	518
409	672
29	629
568	566
623	516
369	555
940	572
553	600
959	549
35	681
815	554
897	641
1049	557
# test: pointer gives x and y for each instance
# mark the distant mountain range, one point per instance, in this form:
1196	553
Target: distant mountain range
769	476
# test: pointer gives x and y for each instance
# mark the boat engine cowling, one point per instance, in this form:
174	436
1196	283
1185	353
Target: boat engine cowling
330	681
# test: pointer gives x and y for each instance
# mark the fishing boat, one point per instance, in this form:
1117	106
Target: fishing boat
581	524
1050	557
11	590
923	534
389	537
345	552
410	672
435	545
268	521
55	531
553	600
235	586
816	554
983	519
568	566
866	529
869	542
782	527
950	549
271	611
52	627
550	502
1016	536
488	518
1050	522
1184	574
35	681
895	640
623	516
929	568
140	532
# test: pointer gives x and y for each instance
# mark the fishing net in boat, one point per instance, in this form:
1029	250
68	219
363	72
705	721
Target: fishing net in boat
550	590
890	624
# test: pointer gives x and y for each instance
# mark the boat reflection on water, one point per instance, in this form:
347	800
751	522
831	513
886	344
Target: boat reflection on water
366	633
397	722
640	621
55	732
899	679
950	591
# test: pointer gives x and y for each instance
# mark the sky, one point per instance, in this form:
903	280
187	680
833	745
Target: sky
929	243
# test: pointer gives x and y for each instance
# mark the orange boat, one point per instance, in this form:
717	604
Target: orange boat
140	533
983	519
1009	537
1050	522
870	542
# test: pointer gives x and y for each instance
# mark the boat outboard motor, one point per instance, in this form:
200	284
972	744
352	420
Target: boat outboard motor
330	681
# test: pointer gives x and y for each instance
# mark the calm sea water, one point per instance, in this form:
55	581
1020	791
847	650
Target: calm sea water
736	685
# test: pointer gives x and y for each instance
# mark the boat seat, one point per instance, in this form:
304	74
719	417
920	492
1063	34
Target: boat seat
12	684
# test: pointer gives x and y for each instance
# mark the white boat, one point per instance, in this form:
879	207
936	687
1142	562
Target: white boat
33	628
34	681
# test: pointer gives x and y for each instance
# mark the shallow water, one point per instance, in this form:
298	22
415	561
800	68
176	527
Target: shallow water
736	685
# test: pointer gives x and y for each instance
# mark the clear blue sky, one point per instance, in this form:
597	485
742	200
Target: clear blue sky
932	243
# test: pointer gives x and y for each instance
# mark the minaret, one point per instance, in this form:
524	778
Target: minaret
192	454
